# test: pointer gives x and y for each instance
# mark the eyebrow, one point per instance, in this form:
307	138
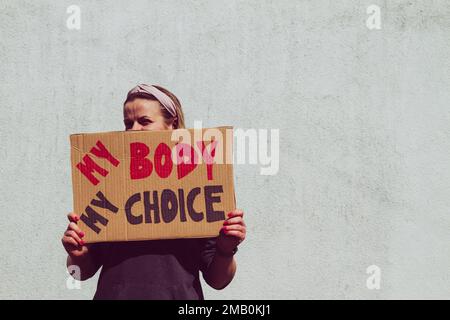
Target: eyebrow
143	117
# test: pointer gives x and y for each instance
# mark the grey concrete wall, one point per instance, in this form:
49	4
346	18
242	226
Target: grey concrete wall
363	115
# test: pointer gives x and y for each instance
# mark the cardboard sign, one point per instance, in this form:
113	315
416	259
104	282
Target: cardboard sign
142	185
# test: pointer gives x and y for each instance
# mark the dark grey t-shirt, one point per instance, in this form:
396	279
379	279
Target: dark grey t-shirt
156	269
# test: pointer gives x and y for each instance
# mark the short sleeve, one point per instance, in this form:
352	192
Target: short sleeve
97	252
207	252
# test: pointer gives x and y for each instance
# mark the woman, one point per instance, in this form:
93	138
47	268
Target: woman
157	269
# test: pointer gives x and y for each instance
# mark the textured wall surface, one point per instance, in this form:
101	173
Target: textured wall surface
364	121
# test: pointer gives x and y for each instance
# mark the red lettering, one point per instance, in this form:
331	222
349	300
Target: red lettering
102	152
140	166
184	167
88	167
208	157
187	159
163	151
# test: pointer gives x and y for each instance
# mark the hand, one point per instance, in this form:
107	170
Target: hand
72	238
233	231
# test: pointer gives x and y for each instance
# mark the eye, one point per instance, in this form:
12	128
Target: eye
145	121
128	124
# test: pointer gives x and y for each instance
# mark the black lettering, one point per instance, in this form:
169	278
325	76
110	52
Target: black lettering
195	216
91	218
168	214
130	202
211	215
182	210
102	202
151	206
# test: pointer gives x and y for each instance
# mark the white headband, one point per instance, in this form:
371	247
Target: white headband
163	98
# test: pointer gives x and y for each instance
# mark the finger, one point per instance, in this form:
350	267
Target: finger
70	240
235	213
234	227
73	234
73	226
236	234
235	220
73	217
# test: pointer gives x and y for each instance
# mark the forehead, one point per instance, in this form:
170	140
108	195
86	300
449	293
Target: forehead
141	107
